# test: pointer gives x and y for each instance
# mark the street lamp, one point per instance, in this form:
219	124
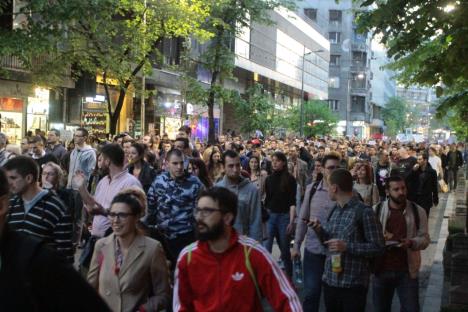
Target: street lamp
304	54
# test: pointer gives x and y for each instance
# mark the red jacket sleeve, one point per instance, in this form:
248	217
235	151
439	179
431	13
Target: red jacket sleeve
272	282
182	300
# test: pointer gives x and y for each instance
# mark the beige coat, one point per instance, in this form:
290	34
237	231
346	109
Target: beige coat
419	237
143	269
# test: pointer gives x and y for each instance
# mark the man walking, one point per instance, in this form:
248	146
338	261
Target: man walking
405	228
454	161
224	270
423	184
54	146
317	204
249	211
82	158
352	235
35	211
171	201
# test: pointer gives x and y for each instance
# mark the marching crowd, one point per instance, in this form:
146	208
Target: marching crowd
179	225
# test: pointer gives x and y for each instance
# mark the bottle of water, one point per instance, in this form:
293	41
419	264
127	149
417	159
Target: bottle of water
298	271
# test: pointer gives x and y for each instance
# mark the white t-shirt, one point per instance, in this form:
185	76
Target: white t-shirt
436	163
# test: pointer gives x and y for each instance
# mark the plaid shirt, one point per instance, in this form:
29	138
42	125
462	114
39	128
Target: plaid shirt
364	239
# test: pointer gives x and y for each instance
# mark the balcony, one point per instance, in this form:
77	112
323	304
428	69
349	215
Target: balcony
359	46
22	72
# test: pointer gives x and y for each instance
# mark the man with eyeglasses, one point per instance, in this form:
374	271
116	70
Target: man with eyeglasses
82	158
316	204
224	270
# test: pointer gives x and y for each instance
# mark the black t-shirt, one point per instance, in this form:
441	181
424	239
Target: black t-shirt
381	173
278	200
405	166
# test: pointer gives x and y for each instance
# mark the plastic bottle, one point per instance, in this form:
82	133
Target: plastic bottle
298	271
336	262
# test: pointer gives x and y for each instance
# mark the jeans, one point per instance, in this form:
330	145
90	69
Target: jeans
176	245
339	299
384	285
277	227
313	265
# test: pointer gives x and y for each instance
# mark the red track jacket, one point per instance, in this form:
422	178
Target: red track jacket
206	281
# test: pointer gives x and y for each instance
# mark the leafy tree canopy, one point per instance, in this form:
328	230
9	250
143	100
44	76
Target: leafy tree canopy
427	41
394	115
117	38
318	118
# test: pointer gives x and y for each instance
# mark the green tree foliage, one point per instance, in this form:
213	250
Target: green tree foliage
427	40
318	118
115	38
255	110
227	19
394	115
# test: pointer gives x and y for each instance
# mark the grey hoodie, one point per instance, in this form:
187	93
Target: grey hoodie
81	159
249	211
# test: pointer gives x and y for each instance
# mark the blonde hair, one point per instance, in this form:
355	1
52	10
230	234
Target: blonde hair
57	170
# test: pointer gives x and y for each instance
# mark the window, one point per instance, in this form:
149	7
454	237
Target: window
334	37
334	105
334	82
335	60
358	80
358	104
335	17
311	13
6	19
359	58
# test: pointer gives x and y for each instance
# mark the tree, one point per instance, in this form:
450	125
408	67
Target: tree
427	41
115	38
318	118
227	19
394	115
255	111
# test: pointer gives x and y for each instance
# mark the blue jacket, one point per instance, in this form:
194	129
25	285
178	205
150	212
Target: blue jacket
249	210
171	204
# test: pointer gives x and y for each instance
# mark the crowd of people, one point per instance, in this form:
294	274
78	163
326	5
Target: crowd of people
182	225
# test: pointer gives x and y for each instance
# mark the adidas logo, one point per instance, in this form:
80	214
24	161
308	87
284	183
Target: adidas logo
237	276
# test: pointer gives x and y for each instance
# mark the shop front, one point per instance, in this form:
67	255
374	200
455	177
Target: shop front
11	118
38	110
94	116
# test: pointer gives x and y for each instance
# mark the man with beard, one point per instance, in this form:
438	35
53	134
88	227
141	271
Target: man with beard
224	269
404	225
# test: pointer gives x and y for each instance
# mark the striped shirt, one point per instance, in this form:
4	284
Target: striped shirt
48	220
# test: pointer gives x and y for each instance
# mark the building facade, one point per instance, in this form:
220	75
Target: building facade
421	106
289	57
350	58
383	87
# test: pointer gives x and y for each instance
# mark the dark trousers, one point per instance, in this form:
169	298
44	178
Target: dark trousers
176	245
313	270
452	178
383	289
339	299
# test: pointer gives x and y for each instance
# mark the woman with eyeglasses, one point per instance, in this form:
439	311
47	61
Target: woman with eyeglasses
364	183
128	269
